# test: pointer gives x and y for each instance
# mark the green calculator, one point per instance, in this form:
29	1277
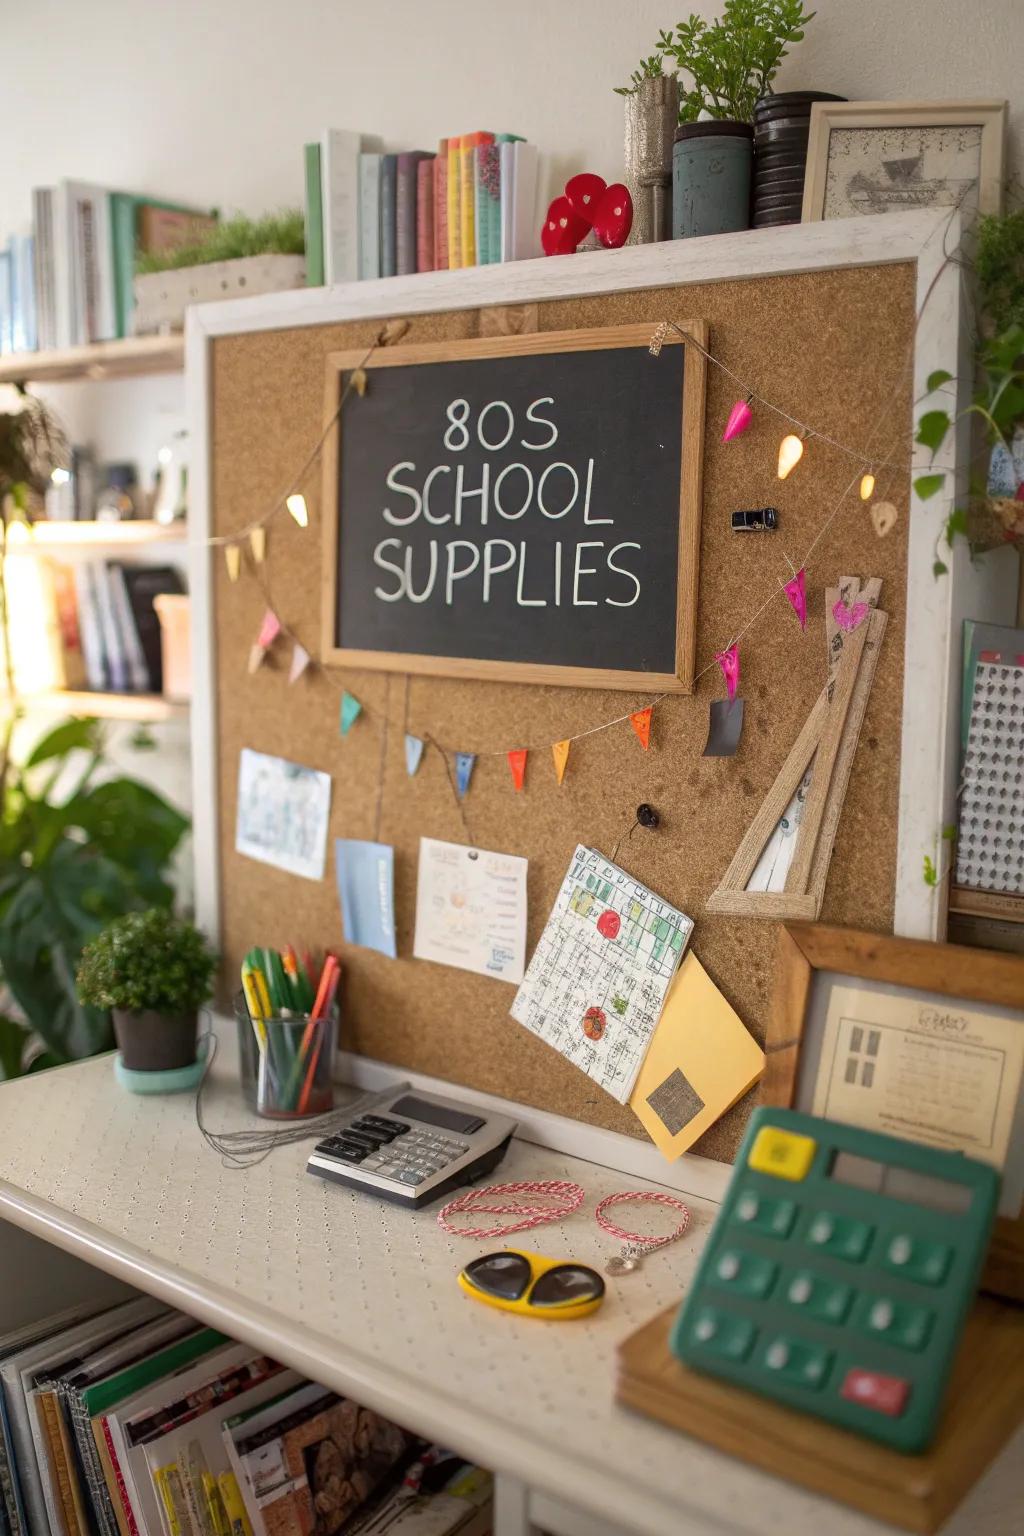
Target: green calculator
839	1274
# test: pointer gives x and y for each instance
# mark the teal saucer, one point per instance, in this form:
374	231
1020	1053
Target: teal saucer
176	1080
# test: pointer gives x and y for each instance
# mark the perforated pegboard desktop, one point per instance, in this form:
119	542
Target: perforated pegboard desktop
832	346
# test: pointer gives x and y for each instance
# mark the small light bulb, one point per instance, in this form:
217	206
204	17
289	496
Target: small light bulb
164	455
791	451
867	486
60	476
297	507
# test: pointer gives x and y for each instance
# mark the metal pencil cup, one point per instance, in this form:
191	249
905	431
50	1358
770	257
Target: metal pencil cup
287	1065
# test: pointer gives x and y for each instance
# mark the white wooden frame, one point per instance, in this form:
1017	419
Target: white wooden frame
990	116
935	607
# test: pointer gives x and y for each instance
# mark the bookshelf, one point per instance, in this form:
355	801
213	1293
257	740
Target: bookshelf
136	533
143	708
134	356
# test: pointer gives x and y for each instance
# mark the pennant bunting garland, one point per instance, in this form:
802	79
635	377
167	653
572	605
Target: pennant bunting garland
300	661
796	591
258	544
517	763
560	753
233	561
413	753
641	723
269	630
729	661
463	771
257	656
351	709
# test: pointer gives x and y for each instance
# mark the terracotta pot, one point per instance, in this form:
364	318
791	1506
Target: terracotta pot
155	1042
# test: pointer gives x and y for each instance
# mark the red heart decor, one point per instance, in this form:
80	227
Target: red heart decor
584	192
613	216
563	229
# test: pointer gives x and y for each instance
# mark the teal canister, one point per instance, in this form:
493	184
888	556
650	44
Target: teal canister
711	170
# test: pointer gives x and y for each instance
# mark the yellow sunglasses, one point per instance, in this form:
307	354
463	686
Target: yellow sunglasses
528	1283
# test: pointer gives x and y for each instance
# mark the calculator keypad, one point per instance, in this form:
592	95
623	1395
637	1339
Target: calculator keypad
841	1236
745	1274
393	1149
926	1262
803	1364
763	1214
814	1296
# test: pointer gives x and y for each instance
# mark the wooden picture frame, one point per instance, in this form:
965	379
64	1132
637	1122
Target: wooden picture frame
595	339
969	975
900	116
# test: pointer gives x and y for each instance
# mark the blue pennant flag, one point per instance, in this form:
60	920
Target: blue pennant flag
413	753
351	709
463	770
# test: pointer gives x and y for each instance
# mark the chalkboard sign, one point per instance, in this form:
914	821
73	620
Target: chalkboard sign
518	507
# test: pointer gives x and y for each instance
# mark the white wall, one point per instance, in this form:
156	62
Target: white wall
213	99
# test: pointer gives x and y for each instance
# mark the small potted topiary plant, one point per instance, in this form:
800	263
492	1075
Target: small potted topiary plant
153	971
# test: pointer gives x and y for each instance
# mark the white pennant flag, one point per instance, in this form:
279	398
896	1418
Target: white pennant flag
300	661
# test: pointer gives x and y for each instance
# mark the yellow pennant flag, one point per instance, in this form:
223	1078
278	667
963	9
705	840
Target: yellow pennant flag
560	753
258	544
233	560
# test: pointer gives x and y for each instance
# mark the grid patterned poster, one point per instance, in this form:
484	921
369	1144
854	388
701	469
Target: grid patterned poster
990	848
598	979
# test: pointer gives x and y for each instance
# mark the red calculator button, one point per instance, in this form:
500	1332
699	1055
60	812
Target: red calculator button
885	1394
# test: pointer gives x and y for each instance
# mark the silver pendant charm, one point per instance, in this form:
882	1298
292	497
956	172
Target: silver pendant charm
624	1263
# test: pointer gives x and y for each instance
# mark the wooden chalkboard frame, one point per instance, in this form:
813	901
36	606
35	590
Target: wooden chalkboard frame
598	338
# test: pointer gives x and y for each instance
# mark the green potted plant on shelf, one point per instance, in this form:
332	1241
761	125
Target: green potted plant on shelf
153	971
235	259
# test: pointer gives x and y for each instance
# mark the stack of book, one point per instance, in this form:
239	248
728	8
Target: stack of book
135	1419
370	214
103	626
70	281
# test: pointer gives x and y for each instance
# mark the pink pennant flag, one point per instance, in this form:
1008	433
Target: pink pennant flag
740	418
300	661
729	661
796	591
269	630
517	763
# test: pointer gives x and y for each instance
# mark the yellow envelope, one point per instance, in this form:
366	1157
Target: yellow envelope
701	1059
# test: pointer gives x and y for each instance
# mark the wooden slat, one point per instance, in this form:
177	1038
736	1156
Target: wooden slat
100	360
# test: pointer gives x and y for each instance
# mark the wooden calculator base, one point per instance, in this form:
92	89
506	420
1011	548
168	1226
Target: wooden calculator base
984	1406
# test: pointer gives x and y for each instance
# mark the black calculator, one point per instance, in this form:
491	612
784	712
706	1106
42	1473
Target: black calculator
412	1147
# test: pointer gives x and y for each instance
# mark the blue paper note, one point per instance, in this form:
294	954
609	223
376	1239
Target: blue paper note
366	888
413	753
463	770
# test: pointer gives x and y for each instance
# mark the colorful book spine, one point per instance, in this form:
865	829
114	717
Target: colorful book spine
406	169
455	202
388	213
314	217
425	214
487	197
441	207
369	214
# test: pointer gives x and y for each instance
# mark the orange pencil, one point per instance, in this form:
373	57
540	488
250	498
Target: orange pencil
325	997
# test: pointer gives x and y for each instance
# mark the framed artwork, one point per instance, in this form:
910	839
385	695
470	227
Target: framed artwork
912	1039
876	157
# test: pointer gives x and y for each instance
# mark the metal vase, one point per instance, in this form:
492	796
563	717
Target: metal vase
652	112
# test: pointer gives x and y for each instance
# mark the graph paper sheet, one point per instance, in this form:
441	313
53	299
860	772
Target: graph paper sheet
990	847
597	982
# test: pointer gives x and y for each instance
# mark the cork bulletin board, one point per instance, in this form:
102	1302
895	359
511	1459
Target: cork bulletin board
833	346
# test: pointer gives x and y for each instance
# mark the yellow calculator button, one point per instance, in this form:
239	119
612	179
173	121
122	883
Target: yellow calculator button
781	1153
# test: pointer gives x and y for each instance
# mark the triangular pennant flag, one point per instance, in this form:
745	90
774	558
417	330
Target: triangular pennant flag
517	763
740	418
300	661
560	753
413	753
641	723
257	656
351	709
269	630
233	560
463	770
258	544
796	591
729	661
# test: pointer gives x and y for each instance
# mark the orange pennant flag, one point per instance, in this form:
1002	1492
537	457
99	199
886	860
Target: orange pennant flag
560	753
641	723
517	763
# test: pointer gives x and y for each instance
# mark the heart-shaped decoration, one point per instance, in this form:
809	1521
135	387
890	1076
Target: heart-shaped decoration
849	618
613	216
883	517
584	193
563	229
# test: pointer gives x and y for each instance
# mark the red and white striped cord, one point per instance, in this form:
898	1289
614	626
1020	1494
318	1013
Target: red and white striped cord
491	1201
637	1239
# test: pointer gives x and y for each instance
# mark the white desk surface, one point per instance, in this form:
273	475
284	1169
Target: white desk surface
362	1297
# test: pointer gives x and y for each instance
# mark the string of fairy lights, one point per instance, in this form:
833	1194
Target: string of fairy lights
872	471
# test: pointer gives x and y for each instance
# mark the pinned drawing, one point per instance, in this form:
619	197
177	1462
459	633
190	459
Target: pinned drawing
282	814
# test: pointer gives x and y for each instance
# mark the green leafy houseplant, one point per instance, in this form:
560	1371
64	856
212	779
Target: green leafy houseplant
730	63
154	971
278	234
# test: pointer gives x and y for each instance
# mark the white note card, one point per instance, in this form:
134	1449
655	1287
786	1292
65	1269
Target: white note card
283	810
471	909
597	982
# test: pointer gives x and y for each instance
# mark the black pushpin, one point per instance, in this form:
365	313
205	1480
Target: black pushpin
647	816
